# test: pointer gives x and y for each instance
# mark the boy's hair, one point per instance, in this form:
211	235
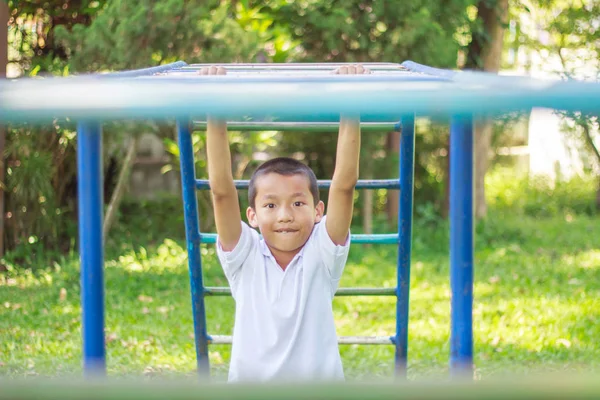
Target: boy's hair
283	166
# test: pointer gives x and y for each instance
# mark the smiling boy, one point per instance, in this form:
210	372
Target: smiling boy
283	283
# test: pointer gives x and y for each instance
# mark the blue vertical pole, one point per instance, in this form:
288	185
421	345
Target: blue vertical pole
192	233
91	247
461	244
405	214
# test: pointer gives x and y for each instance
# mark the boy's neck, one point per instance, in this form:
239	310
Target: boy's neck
283	258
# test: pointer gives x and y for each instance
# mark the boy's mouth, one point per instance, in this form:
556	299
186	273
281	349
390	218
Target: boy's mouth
286	230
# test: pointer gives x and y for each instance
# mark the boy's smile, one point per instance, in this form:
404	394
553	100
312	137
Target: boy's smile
284	213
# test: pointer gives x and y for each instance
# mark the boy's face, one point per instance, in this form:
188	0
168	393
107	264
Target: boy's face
284	211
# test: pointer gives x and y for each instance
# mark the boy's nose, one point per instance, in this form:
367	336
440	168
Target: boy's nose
285	214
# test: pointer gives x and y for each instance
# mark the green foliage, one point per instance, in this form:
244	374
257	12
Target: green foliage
128	35
87	36
37	49
373	31
539	196
40	179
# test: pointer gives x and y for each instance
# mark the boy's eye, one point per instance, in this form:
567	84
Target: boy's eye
270	205
298	203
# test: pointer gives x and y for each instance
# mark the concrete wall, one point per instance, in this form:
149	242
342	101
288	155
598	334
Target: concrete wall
147	180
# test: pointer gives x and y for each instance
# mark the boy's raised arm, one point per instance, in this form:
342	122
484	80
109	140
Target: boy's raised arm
225	197
341	194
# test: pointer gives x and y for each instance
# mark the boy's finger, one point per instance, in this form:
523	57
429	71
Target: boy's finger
343	70
213	70
203	71
221	71
360	69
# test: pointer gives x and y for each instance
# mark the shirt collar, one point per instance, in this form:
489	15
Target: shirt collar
267	252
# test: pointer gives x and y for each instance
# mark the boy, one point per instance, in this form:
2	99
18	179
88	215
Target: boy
284	283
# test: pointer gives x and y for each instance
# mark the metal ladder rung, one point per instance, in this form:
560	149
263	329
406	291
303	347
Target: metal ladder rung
382	238
204	184
370	340
226	291
301	126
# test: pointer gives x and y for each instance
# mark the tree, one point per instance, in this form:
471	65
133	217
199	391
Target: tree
160	32
4	17
129	35
484	53
40	168
566	38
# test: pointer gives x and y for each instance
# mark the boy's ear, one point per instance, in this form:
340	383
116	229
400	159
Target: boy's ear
251	215
320	211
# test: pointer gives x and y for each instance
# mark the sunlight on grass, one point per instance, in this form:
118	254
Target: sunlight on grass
587	259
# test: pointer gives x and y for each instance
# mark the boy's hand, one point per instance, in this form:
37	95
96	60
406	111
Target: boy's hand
213	70
341	192
352	70
357	69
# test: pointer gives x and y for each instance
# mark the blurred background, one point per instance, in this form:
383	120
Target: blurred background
537	183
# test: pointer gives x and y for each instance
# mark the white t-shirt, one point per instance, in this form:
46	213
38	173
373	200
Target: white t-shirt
284	326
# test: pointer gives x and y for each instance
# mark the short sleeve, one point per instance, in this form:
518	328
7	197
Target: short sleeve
232	261
333	256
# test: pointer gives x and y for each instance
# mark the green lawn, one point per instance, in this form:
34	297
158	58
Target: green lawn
537	306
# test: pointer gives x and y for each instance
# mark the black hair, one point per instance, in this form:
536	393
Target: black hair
283	166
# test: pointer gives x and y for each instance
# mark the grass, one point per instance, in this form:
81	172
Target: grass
536	307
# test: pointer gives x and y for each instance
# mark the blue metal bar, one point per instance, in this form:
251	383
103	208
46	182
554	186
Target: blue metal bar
425	69
391	238
375	98
192	233
461	244
405	214
144	71
91	248
203	184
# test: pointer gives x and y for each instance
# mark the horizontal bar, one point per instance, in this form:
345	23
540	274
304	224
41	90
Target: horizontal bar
293	66
373	97
301	126
145	71
372	340
203	184
296	74
225	291
387	238
425	69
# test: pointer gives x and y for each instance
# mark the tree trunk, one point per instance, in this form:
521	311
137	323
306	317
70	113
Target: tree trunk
485	53
4	15
587	132
598	196
393	196
113	206
483	142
